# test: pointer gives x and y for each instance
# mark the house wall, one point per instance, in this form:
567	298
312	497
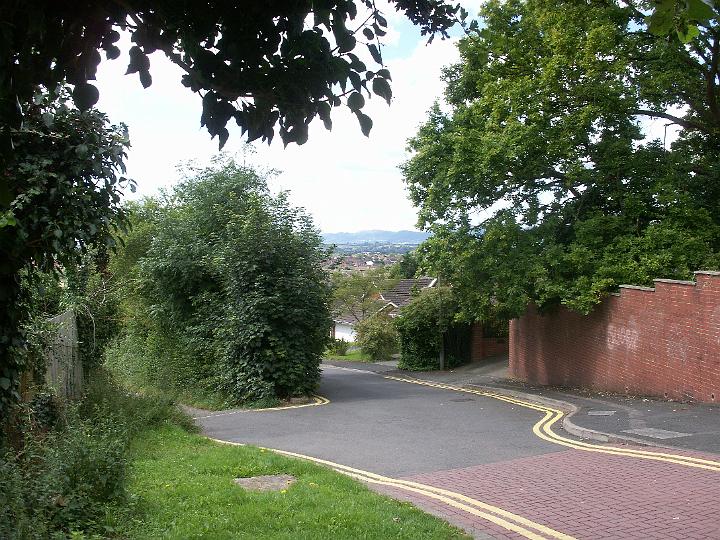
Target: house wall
662	341
344	331
485	347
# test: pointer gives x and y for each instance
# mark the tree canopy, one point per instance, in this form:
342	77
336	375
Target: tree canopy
257	63
540	180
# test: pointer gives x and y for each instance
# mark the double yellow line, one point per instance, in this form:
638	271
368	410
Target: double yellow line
317	400
502	518
543	429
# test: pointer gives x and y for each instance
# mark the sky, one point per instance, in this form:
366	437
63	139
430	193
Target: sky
346	181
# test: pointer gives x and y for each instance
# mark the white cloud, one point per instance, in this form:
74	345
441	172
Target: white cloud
345	180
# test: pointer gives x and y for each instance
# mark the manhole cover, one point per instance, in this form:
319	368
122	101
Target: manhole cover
271	482
462	399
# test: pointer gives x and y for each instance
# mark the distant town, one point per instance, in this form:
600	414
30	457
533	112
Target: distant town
365	250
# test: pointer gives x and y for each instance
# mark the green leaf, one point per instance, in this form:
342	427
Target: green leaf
4	383
692	33
323	109
385	74
356	101
355	80
7	219
375	53
223	136
145	78
138	61
366	123
697	10
382	88
661	21
85	95
346	42
112	52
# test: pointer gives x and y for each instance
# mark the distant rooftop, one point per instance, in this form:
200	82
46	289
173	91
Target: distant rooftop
401	294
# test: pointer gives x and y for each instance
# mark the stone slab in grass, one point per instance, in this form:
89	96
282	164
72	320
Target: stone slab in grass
270	482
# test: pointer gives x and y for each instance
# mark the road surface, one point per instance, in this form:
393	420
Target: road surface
499	468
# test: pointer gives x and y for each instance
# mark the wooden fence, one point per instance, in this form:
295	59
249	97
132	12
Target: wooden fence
64	367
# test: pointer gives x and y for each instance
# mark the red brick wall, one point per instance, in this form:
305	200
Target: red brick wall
484	347
663	342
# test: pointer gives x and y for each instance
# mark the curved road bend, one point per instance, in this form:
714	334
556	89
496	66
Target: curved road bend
476	462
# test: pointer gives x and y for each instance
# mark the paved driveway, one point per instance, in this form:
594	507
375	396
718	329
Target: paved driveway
476	461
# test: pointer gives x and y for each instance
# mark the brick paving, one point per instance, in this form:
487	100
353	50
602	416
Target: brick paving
476	526
584	494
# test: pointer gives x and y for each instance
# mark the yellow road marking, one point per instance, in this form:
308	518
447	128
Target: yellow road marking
543	429
317	400
503	518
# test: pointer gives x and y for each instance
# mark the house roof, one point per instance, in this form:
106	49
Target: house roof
401	294
345	318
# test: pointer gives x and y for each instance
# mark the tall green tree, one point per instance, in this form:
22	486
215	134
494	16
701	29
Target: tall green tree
357	295
257	63
540	181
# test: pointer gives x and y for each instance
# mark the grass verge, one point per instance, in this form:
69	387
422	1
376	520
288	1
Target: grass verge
182	487
352	356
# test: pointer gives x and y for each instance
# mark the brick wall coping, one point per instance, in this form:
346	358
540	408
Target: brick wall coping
670	281
675	281
637	288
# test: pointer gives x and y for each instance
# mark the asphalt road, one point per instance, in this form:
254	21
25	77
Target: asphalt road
498	479
390	427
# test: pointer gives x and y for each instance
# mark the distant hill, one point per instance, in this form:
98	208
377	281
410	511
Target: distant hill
364	237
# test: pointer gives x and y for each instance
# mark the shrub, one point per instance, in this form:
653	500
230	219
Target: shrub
422	325
136	412
339	347
226	292
92	293
65	480
377	337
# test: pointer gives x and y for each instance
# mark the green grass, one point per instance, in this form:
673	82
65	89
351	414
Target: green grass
352	356
182	487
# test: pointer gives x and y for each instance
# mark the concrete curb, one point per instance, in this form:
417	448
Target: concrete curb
568	425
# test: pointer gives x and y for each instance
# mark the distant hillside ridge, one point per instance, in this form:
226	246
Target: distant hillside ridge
364	237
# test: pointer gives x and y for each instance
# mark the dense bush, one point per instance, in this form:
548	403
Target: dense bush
422	325
225	292
72	466
377	337
339	347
